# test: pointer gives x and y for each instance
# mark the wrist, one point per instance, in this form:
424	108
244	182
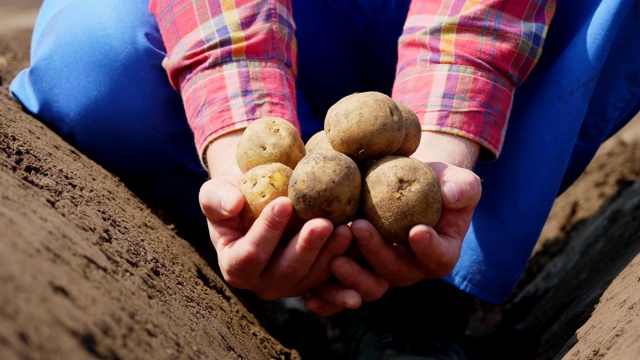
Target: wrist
220	156
447	148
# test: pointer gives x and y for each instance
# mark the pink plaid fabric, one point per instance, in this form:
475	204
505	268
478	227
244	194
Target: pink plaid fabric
234	61
460	62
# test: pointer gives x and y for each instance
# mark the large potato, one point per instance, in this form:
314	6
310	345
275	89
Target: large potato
399	193
269	140
261	185
365	125
412	132
326	184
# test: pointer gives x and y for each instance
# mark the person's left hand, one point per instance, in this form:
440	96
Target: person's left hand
429	253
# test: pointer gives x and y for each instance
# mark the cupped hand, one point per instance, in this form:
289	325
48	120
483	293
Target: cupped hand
353	285
429	252
260	259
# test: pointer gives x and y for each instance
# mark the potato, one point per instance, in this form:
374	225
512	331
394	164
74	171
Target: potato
412	132
365	125
398	193
326	184
318	142
269	140
261	185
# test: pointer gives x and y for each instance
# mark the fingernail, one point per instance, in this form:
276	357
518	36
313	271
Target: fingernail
227	202
351	302
282	210
421	238
451	192
363	235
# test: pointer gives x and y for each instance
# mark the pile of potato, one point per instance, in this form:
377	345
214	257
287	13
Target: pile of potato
364	133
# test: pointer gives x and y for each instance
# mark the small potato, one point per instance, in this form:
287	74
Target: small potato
261	185
412	132
318	142
269	140
398	193
365	125
326	184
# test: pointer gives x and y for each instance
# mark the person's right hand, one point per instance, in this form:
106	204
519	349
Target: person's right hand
264	259
254	260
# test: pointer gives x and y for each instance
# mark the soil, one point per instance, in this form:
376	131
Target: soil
87	270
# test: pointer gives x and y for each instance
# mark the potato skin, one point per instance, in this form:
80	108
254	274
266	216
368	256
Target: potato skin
365	125
318	141
398	193
269	140
326	184
412	132
261	185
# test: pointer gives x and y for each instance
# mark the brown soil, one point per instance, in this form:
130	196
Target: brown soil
89	271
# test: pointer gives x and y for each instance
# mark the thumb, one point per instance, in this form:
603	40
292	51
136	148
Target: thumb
220	200
461	188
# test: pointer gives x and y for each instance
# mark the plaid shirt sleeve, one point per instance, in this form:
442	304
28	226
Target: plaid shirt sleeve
232	61
459	63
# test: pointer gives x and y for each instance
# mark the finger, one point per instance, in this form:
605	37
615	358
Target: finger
384	257
294	262
220	199
352	276
337	244
461	193
461	188
333	295
437	254
221	202
225	232
315	304
245	259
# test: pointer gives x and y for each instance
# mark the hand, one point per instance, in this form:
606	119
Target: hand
263	259
430	252
356	284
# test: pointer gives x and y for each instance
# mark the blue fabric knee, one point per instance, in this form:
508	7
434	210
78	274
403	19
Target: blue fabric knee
552	112
616	95
98	82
